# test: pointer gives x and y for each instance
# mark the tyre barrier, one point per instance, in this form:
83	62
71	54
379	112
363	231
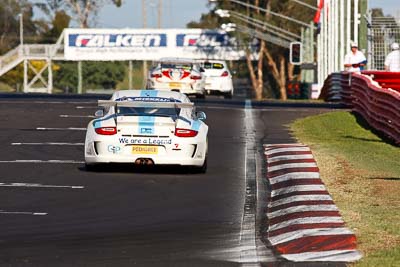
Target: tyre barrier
375	95
304	224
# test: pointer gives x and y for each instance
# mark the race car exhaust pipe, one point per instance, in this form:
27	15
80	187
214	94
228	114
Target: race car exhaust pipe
144	161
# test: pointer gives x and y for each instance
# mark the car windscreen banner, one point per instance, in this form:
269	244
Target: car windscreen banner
149	44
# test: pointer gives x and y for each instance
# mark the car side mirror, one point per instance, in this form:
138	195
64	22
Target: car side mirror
99	113
202	70
200	115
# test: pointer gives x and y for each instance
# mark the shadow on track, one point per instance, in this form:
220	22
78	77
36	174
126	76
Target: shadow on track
131	168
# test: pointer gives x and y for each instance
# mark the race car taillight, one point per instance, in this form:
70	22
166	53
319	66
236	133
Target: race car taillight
185	132
156	75
225	74
195	77
106	130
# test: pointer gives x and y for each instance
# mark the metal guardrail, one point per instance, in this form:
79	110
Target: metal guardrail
378	105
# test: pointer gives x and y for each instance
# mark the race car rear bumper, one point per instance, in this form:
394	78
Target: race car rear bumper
187	155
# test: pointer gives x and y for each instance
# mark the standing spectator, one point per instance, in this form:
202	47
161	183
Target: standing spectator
354	59
392	62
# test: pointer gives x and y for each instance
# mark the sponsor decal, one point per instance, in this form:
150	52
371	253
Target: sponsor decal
117	40
145	141
203	40
146	130
114	149
148	99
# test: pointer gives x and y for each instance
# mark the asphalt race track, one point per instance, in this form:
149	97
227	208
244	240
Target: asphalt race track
55	213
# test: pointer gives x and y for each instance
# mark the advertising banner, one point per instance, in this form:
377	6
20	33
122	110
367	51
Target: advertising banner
149	44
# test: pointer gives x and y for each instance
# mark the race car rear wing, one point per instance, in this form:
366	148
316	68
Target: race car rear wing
110	103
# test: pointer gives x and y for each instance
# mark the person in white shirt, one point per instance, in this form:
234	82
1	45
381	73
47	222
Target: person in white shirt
354	59
392	62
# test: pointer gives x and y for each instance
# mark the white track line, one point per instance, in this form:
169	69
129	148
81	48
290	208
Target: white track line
40	185
83	107
23	213
60	129
77	116
48	144
52	161
248	254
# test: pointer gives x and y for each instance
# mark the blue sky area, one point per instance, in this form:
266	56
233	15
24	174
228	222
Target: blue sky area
177	13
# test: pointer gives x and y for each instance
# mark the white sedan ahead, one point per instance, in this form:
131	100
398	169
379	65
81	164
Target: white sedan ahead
218	78
146	127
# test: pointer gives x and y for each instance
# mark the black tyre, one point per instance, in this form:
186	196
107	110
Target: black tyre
201	96
92	167
201	169
228	95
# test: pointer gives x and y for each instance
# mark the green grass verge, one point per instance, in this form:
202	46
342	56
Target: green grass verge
362	173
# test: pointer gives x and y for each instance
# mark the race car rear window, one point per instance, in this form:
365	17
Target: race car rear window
209	65
176	66
148	111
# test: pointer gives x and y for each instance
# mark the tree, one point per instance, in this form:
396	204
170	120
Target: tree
81	10
272	63
9	23
85	8
96	75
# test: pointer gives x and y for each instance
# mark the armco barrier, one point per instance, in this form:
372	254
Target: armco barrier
375	95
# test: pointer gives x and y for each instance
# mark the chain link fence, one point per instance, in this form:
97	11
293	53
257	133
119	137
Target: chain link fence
383	32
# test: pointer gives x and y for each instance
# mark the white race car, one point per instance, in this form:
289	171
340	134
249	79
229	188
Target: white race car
146	127
177	74
218	77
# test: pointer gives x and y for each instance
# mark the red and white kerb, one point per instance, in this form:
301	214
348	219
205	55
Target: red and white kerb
304	224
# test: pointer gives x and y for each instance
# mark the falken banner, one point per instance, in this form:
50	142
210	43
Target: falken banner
149	44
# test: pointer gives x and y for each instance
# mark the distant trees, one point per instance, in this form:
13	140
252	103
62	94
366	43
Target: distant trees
271	71
55	16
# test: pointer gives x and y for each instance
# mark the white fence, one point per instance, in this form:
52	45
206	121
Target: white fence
383	32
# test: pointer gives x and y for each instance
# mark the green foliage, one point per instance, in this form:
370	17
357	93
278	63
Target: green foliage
61	20
95	75
10	23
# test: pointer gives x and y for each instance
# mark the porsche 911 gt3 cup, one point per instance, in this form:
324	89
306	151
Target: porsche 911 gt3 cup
177	74
147	127
218	77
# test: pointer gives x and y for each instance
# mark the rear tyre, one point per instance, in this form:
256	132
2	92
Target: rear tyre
201	169
228	95
92	167
201	96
